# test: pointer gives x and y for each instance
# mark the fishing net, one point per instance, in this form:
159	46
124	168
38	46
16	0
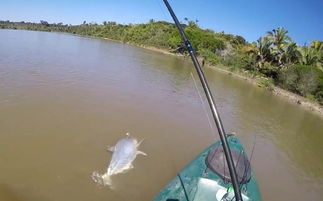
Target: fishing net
216	161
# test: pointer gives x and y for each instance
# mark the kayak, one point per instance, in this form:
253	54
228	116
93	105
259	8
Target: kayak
207	177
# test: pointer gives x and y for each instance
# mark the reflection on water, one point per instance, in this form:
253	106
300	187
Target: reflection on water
64	98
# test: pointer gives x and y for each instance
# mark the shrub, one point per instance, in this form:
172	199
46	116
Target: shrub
209	56
266	82
319	97
269	70
239	61
304	80
247	62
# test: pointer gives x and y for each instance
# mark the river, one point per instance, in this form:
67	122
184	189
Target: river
65	98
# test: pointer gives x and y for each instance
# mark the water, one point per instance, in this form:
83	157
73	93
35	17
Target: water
64	99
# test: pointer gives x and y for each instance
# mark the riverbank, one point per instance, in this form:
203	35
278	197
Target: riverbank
275	90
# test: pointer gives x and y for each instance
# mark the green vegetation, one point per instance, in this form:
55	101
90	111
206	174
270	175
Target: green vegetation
274	57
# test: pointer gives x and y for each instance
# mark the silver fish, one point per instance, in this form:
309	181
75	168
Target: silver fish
124	153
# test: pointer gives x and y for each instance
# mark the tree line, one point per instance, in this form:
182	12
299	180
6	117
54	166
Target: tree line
274	56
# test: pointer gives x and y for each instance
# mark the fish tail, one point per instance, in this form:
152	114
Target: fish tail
103	179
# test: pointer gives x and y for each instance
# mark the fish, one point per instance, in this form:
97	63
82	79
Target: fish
124	153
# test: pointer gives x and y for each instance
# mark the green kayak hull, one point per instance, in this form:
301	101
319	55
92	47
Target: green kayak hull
197	182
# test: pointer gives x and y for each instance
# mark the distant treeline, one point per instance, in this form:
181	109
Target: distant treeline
274	57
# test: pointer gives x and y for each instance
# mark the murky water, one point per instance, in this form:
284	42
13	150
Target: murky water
64	98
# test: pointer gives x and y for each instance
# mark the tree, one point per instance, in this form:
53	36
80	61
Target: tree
290	53
308	56
193	24
240	40
263	51
111	23
278	37
45	23
317	45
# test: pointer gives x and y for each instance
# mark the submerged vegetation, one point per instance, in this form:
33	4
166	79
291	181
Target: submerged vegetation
274	57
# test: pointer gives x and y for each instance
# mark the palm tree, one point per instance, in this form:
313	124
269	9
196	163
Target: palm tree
265	56
317	45
308	56
278	37
263	51
290	53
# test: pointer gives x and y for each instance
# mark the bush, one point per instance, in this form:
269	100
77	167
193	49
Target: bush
239	61
230	60
201	39
175	40
247	62
267	69
319	97
301	79
266	83
209	56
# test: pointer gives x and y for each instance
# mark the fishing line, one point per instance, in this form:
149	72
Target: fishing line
180	179
166	17
252	151
195	84
203	106
251	155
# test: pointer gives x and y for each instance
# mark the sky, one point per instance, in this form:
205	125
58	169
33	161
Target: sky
250	19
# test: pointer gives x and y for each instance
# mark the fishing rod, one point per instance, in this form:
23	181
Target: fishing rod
215	113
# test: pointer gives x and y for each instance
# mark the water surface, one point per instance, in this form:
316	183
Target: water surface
64	98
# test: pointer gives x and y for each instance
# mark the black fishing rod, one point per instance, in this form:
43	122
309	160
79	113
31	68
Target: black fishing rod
215	113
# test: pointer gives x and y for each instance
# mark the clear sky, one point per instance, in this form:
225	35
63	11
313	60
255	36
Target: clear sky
248	18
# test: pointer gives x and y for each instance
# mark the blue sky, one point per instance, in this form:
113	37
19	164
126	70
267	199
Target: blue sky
248	18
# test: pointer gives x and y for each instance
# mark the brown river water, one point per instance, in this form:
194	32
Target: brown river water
64	99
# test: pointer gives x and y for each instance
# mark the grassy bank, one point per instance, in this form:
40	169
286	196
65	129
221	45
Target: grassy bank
273	61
